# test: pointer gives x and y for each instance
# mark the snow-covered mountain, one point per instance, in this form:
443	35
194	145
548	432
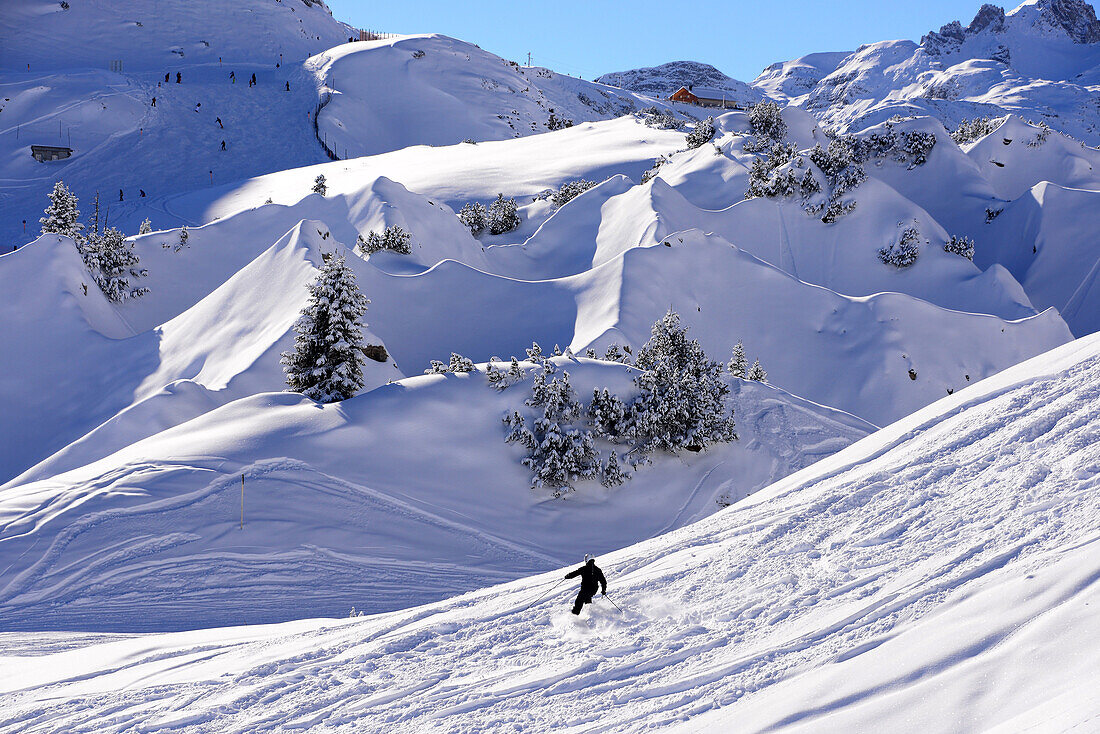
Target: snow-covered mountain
661	81
941	571
1040	61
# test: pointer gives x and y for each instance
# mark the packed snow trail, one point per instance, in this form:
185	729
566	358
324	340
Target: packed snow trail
954	539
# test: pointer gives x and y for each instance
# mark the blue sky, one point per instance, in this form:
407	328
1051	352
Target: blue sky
597	36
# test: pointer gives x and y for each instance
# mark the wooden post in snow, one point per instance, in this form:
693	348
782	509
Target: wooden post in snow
242	502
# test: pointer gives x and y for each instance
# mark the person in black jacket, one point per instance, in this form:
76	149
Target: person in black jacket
591	578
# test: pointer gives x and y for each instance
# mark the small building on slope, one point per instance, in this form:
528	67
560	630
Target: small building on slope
705	97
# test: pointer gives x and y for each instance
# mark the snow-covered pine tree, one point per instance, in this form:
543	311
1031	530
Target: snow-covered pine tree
112	262
62	216
184	236
474	216
904	252
502	216
701	134
320	185
327	362
534	352
756	372
739	364
607	414
146	227
611	471
680	404
460	364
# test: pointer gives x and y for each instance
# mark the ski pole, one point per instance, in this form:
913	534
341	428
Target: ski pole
536	601
605	596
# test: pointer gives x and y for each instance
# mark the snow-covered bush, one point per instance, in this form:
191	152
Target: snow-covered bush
607	414
680	401
113	262
961	246
615	353
768	127
327	361
394	239
659	119
970	130
184	236
62	216
991	214
659	161
474	216
320	186
146	227
770	176
1041	136
701	134
903	252
458	363
558	123
502	216
570	190
501	379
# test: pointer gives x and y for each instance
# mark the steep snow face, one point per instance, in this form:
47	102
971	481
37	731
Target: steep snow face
661	81
941	570
790	79
166	34
400	496
436	90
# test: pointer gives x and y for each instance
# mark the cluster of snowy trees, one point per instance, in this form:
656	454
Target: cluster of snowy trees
557	123
327	361
500	217
970	130
961	246
393	239
911	147
679	404
659	161
904	251
570	190
1041	136
659	119
820	177
701	134
110	259
738	366
458	363
767	126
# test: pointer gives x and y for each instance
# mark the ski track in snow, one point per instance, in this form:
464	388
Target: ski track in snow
820	569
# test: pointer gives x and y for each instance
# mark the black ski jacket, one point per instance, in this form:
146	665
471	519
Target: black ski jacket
591	577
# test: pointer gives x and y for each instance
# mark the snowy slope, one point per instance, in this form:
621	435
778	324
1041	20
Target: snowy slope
942	570
436	90
400	496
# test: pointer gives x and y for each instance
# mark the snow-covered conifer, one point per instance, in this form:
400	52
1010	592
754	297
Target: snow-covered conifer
460	363
146	227
534	352
768	127
680	404
474	216
320	186
611	471
502	216
904	252
327	362
756	372
739	364
62	216
607	414
112	262
184	236
701	134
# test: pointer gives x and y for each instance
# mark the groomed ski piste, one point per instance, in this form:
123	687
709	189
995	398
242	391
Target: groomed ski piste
941	574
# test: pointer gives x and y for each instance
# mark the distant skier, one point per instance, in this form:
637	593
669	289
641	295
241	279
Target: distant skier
166	77
154	102
179	77
219	121
591	578
197	106
223	145
120	194
252	81
141	193
232	77
288	86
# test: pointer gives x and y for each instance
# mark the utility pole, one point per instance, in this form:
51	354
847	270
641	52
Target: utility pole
242	502
528	58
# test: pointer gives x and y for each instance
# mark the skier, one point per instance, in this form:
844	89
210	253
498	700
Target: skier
232	77
219	121
179	77
591	577
141	193
120	194
223	145
166	78
197	106
288	86
252	81
154	102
